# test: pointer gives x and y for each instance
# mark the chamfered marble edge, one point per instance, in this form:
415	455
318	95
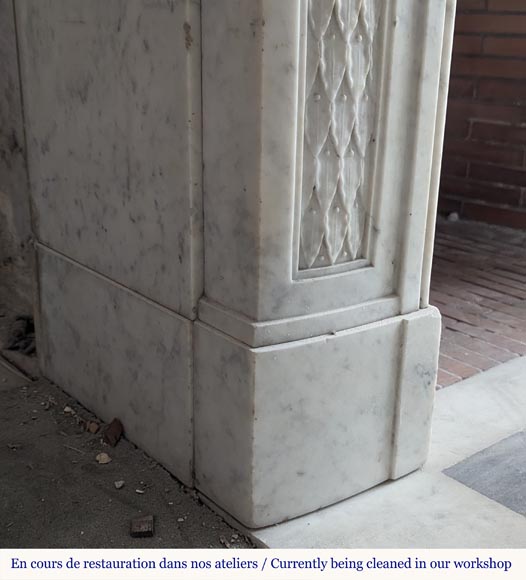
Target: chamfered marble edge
262	449
120	355
416	391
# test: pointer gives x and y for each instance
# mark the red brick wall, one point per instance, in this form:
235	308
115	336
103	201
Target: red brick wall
484	167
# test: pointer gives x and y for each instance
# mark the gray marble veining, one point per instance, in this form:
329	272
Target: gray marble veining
303	385
112	103
121	356
287	429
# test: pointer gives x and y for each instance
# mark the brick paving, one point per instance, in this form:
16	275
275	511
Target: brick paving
479	285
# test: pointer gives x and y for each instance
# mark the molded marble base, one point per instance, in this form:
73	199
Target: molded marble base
284	430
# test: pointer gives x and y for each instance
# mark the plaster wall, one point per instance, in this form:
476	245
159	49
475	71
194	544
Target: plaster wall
15	223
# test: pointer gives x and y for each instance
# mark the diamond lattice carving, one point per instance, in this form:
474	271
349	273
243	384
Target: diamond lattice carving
340	110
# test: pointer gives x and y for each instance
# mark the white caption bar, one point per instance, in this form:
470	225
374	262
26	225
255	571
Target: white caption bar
18	564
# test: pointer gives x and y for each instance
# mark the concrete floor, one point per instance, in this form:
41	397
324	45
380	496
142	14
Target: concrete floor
429	509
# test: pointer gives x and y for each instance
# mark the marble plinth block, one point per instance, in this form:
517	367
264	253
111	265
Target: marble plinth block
286	429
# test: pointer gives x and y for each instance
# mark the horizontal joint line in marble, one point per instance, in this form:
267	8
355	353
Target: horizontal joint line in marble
271	332
43	247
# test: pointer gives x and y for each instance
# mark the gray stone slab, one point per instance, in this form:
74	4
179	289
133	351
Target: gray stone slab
498	472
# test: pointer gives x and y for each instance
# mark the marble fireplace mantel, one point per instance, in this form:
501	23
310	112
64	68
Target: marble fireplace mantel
234	203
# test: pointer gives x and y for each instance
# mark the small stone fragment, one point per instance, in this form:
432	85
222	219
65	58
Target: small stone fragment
92	427
142	527
68	410
180	520
113	432
119	484
103	458
139	491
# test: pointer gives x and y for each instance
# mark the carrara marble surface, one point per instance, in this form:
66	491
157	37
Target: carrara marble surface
112	110
309	371
285	430
121	356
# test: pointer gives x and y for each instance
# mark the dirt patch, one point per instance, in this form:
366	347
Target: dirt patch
55	494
